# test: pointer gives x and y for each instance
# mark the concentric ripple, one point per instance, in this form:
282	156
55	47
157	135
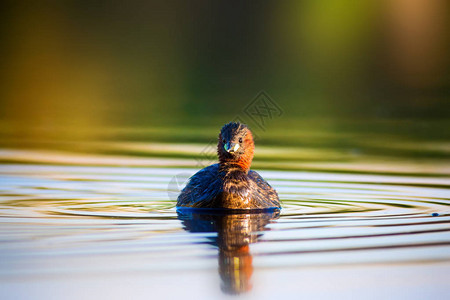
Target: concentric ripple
82	221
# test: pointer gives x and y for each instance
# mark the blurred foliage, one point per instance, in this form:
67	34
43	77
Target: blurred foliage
72	66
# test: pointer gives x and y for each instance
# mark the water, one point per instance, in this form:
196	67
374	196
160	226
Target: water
72	231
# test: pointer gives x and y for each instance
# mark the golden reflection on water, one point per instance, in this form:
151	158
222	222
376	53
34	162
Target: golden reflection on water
235	233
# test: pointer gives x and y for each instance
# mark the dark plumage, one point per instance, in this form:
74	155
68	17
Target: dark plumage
230	184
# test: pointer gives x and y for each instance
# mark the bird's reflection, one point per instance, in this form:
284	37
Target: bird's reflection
234	234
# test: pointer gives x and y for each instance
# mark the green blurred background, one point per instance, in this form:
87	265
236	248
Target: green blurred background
178	70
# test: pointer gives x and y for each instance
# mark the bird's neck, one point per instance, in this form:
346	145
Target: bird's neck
233	167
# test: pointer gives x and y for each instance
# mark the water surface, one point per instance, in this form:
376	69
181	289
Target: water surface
112	231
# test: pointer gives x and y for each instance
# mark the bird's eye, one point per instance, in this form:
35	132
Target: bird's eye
240	140
223	141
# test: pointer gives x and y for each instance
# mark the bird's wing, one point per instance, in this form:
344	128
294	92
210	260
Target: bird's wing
264	192
202	186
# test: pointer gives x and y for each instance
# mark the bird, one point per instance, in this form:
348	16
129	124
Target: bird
230	184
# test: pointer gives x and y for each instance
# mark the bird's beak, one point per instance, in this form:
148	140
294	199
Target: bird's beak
231	147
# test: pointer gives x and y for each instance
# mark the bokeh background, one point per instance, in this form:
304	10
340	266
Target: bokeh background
162	71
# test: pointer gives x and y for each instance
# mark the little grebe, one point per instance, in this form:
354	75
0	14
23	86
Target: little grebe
230	184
